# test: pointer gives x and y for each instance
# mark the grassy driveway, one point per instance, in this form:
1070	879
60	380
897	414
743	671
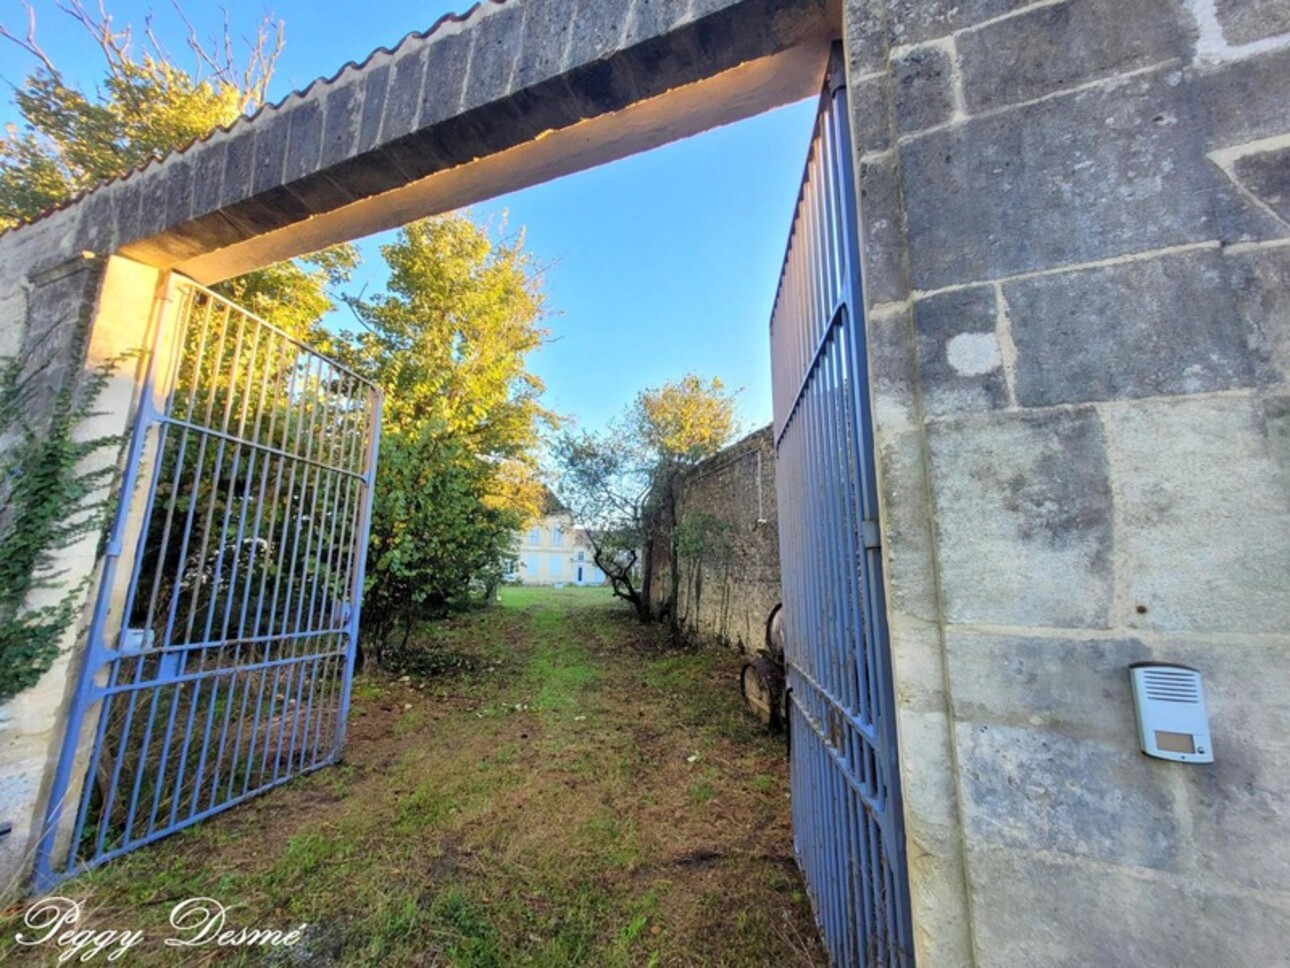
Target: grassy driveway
548	784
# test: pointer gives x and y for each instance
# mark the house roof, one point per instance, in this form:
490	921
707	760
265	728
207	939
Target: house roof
550	503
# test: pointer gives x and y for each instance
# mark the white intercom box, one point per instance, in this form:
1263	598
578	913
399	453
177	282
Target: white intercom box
1172	722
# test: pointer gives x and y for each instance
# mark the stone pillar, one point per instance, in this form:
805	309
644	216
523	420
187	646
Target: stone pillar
1077	255
71	319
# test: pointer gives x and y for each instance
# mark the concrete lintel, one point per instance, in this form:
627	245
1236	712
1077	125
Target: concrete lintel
742	92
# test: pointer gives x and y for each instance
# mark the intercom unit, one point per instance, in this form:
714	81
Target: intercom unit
1172	722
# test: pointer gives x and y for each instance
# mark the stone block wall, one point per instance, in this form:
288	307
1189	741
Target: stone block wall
728	585
1077	268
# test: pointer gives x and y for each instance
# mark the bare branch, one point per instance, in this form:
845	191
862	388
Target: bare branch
228	40
153	41
353	302
262	64
219	60
115	47
30	45
222	70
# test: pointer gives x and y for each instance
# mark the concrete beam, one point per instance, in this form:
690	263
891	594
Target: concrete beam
739	93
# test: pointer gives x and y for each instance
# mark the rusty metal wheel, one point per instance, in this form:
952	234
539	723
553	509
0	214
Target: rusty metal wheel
761	680
775	633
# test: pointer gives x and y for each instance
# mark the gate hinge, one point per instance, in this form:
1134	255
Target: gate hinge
837	71
869	534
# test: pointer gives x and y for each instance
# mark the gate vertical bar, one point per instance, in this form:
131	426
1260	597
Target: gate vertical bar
360	572
848	827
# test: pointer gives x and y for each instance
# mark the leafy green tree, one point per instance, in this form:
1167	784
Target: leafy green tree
458	473
620	482
146	105
605	479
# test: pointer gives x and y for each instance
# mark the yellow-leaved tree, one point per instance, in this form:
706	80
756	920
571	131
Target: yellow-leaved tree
687	419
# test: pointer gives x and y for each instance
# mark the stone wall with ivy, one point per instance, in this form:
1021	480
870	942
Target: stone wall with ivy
43	386
70	337
727	546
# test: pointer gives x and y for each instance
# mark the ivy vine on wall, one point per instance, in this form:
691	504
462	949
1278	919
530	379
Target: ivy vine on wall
49	503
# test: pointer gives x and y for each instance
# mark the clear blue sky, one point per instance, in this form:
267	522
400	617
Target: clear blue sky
660	263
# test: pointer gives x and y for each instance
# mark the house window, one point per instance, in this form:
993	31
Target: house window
580	556
557	535
535	536
556	564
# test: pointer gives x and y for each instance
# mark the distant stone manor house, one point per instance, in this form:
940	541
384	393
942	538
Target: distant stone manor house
554	551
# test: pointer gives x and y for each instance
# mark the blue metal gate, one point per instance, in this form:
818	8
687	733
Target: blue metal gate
845	782
223	637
